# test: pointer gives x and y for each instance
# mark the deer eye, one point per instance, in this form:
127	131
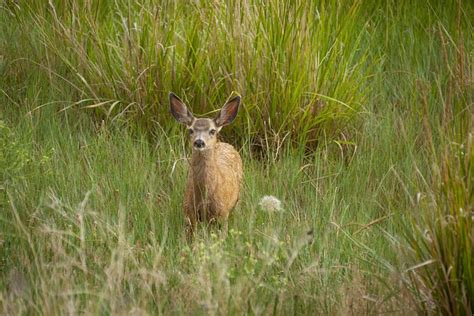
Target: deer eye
191	131
212	132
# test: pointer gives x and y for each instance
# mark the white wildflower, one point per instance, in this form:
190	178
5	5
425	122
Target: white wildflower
270	203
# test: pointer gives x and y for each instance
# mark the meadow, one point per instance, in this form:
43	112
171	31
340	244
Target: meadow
357	115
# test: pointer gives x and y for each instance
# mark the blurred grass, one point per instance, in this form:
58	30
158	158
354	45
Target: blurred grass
361	113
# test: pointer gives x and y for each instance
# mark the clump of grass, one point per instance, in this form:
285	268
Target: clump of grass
303	68
442	243
441	239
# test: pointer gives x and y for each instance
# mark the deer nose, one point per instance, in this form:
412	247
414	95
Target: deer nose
199	143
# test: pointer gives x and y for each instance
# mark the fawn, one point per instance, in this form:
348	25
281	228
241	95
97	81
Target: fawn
213	184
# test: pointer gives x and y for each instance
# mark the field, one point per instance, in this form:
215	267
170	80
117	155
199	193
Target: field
357	115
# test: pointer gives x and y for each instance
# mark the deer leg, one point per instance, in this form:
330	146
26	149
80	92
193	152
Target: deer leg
225	228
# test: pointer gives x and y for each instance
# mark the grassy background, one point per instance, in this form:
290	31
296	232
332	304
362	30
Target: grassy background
357	115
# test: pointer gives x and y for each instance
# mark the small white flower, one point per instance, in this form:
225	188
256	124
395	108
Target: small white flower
270	203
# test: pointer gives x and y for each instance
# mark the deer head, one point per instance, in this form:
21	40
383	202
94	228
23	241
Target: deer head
203	131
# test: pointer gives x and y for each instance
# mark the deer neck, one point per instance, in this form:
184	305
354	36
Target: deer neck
204	166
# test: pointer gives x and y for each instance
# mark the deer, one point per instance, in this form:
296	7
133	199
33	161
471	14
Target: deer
215	173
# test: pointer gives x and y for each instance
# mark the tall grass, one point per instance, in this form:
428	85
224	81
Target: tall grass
302	67
95	225
438	90
362	111
442	244
441	237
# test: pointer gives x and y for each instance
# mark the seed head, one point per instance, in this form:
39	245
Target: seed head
270	203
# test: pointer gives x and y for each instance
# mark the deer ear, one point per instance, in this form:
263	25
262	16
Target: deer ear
228	112
179	111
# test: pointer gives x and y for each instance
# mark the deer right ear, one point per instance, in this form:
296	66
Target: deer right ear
179	111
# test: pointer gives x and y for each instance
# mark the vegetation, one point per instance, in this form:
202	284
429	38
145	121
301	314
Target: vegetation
357	115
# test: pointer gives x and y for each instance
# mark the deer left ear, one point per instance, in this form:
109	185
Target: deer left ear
228	112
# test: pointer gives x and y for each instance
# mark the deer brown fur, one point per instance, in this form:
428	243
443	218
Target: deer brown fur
215	174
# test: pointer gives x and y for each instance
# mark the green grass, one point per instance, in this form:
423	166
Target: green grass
358	116
120	60
129	194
